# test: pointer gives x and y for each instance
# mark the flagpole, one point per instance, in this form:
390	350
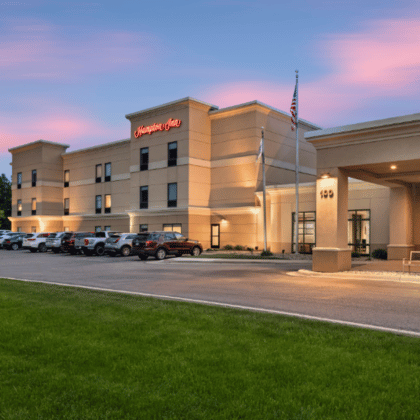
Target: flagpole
264	202
297	169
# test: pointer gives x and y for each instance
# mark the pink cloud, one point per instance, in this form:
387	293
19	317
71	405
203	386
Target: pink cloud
385	55
69	129
41	51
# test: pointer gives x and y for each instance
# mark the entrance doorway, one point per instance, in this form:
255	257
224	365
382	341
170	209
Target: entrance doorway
215	236
359	231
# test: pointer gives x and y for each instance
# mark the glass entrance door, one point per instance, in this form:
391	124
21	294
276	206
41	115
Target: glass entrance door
359	231
215	236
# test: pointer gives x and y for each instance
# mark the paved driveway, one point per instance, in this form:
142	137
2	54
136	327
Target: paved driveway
262	285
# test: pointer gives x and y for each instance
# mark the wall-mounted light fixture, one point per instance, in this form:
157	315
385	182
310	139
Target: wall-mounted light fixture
325	176
393	167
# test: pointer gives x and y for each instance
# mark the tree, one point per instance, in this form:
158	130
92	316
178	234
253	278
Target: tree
5	202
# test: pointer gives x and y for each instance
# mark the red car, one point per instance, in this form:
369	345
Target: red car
161	244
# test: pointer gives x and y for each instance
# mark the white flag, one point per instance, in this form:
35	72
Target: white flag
260	150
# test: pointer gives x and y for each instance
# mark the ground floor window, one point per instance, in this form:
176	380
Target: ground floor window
306	228
19	229
359	231
215	236
143	228
172	227
107	228
66	229
33	229
98	229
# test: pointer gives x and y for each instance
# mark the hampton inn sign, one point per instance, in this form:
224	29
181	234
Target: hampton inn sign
156	127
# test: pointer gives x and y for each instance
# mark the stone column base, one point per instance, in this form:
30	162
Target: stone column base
398	252
331	260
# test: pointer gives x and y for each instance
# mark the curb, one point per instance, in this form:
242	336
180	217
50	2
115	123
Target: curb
361	275
238	260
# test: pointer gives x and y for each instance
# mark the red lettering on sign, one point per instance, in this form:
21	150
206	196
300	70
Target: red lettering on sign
156	127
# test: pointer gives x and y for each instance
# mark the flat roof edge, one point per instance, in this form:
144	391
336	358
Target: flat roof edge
40	141
99	146
364	125
187	98
256	102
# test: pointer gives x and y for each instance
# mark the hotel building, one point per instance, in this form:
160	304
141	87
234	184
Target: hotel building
191	167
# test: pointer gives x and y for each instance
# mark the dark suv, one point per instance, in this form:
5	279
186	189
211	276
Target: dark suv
161	244
68	243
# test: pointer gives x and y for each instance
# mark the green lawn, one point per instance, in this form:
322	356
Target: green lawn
70	353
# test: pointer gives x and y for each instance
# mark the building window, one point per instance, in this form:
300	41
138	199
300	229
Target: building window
172	153
19	207
98	174
215	236
143	228
107	228
172	195
307	222
98	204
66	178
19	229
33	229
108	172
144	159
66	206
107	203
33	207
19	180
66	229
144	197
359	231
98	229
34	178
172	227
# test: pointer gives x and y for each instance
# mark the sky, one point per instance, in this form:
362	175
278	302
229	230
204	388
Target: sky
71	71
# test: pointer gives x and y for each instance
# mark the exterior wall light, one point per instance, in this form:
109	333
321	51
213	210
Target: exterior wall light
325	176
393	167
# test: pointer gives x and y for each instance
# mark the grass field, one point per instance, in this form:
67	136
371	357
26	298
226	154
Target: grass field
69	353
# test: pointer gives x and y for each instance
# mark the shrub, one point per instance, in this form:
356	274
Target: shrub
228	247
266	253
250	249
380	254
239	248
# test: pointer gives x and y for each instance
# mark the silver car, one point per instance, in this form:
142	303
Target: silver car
54	241
119	244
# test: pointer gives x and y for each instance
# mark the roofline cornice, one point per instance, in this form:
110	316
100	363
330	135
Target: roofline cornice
35	144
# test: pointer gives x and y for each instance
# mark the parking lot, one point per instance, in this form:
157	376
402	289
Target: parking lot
265	286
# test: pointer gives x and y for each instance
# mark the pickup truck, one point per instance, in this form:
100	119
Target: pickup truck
94	244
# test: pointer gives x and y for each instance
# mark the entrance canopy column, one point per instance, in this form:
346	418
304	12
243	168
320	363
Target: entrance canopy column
331	253
400	223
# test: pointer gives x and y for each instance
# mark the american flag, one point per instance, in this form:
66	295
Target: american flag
293	110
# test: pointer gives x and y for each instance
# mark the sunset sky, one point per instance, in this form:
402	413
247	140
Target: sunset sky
70	71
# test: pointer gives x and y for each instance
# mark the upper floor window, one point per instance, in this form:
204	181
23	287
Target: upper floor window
172	195
66	178
98	174
19	207
66	206
144	197
172	153
33	206
144	159
34	177
19	180
108	172
107	203
98	204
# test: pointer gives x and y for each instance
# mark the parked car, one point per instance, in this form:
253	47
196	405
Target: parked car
95	244
119	244
161	244
13	241
68	245
36	242
2	232
6	234
55	241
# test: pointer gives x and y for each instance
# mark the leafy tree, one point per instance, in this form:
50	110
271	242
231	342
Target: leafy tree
5	202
